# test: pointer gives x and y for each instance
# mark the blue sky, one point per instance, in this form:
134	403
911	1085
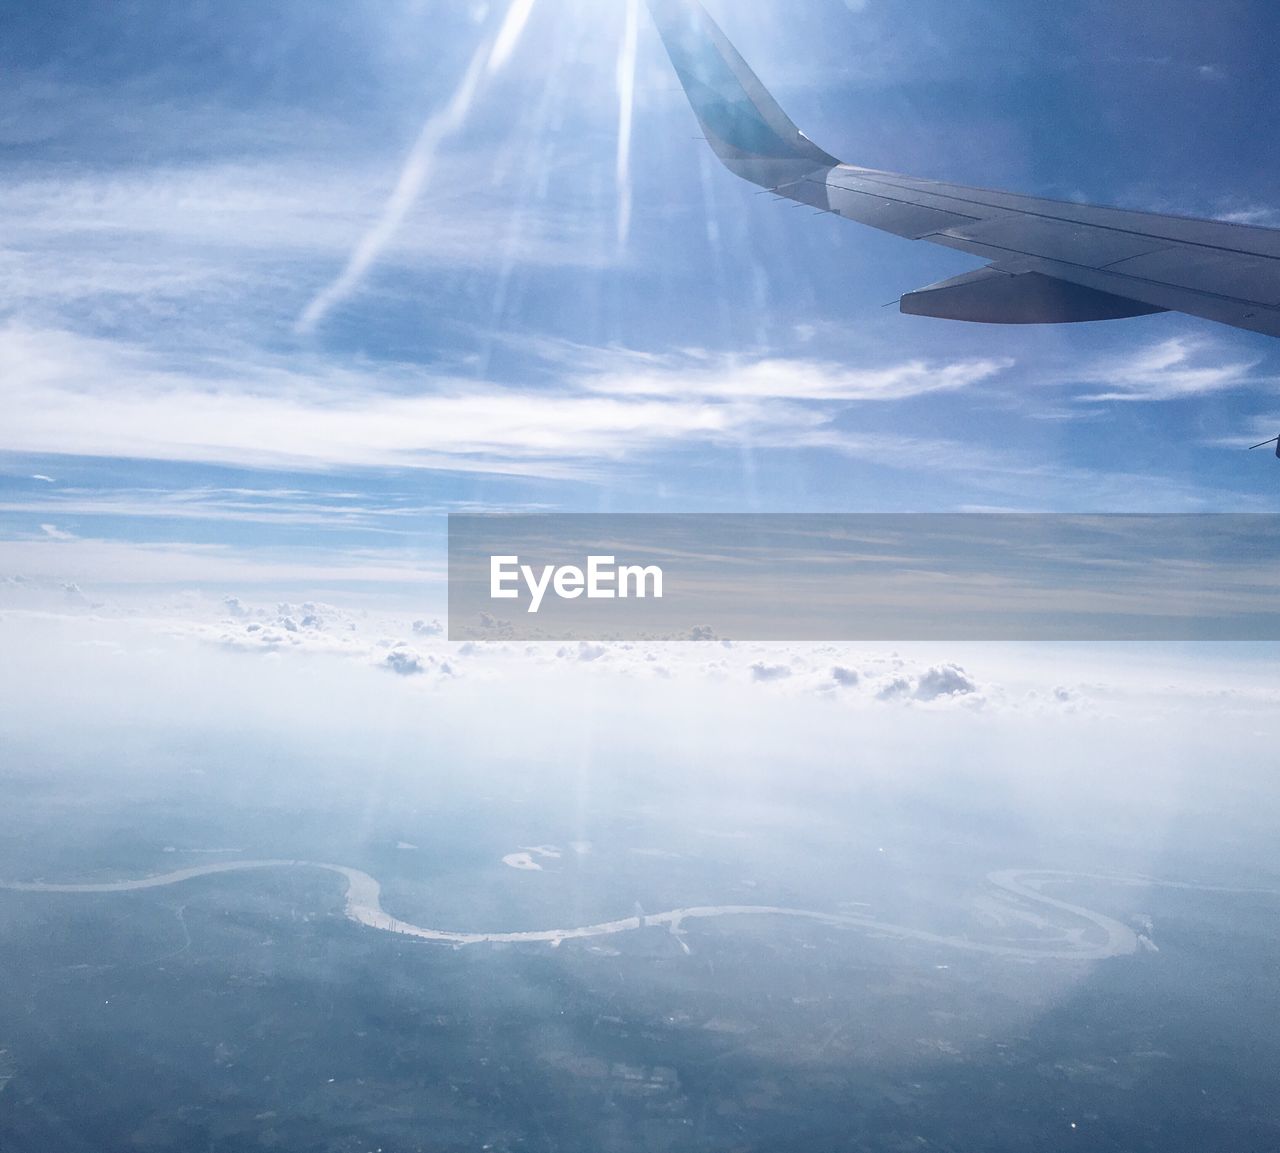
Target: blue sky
284	284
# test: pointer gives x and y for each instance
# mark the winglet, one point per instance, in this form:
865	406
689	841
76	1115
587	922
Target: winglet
1274	440
745	126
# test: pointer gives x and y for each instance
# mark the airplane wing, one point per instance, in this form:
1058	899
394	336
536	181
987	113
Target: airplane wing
1051	261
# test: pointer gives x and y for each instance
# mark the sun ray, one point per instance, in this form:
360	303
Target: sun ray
626	106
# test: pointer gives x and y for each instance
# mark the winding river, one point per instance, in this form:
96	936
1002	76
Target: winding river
1095	936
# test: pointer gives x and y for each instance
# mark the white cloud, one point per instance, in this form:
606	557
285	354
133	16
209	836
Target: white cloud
172	233
695	373
1253	214
405	663
73	394
997	681
764	673
1174	369
104	563
894	689
394	514
944	681
1127	757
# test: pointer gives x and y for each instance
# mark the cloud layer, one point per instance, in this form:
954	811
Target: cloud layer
84	396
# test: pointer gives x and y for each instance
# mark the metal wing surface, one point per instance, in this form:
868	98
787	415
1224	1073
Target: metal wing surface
1050	261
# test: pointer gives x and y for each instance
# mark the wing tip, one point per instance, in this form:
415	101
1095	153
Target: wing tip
743	123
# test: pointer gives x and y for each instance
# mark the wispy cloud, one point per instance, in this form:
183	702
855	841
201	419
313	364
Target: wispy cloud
91	397
174	234
348	513
1261	429
106	563
1171	370
1263	215
417	168
724	378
